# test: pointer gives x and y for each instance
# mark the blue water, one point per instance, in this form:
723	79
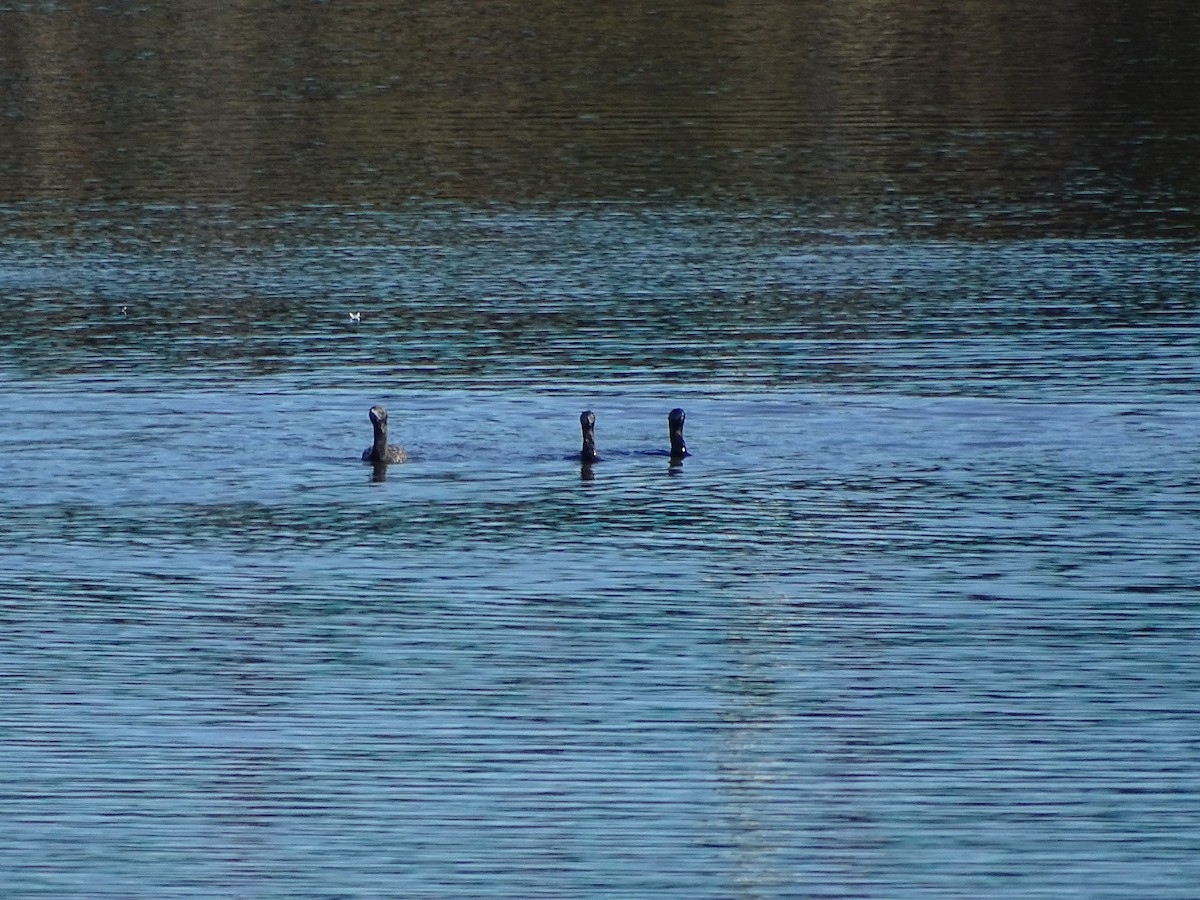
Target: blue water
917	617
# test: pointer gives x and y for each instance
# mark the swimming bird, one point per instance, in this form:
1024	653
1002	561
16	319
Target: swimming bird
675	427
587	422
355	317
380	451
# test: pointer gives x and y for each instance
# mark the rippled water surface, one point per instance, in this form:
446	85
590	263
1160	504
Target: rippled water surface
917	616
917	613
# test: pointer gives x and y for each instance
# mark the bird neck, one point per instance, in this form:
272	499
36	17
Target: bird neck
380	445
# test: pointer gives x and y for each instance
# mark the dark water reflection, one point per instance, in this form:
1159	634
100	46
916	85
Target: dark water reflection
619	296
1069	117
917	616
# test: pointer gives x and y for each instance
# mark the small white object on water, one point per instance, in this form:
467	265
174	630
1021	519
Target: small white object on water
355	317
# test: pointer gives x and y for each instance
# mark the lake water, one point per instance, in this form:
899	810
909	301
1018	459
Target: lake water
919	616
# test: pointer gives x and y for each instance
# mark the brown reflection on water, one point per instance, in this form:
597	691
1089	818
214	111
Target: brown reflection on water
962	110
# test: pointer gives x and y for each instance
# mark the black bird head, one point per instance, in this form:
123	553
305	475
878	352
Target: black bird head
378	417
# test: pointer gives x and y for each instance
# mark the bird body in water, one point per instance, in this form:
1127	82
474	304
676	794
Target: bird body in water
587	422
675	427
380	451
